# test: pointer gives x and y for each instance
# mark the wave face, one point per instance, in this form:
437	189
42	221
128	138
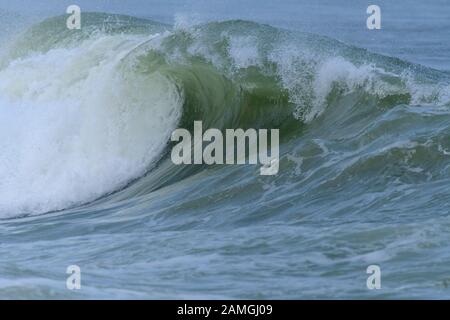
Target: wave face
86	118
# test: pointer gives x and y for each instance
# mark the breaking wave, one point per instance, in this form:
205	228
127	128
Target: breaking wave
85	113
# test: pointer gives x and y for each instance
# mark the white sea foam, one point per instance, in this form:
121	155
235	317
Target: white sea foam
77	124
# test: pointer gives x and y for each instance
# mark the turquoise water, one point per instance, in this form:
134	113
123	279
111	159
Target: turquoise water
86	177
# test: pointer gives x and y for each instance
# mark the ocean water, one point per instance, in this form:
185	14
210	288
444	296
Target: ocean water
86	177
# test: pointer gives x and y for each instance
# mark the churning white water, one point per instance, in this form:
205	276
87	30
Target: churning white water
78	123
